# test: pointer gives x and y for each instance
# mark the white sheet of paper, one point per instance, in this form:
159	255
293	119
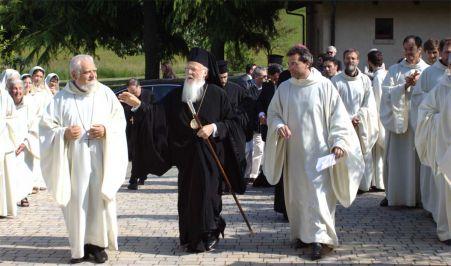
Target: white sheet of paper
325	162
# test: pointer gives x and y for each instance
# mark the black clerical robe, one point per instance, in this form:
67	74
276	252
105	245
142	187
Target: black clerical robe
263	102
236	94
243	106
169	140
131	129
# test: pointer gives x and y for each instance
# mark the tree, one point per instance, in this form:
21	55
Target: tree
158	28
126	27
237	22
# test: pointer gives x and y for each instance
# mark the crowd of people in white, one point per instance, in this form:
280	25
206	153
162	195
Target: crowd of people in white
402	117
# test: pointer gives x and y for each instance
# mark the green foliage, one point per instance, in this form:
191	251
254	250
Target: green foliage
238	58
8	54
55	30
240	22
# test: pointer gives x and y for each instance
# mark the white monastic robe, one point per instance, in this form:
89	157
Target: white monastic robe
27	134
84	175
11	189
318	120
433	142
379	148
41	97
357	96
429	79
401	164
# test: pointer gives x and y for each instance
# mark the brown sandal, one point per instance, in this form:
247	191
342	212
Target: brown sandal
24	203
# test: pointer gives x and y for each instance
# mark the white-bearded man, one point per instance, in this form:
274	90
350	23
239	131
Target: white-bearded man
83	132
174	138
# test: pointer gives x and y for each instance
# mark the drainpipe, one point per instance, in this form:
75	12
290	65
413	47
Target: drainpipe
332	23
303	24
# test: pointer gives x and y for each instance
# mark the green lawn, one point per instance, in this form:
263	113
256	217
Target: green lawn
111	66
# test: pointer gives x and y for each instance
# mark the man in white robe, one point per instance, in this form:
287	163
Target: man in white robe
10	180
433	142
83	139
428	80
376	64
401	165
307	120
356	93
27	146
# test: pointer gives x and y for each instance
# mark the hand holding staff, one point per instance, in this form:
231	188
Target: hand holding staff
218	163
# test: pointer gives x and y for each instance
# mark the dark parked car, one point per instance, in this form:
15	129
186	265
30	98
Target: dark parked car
159	87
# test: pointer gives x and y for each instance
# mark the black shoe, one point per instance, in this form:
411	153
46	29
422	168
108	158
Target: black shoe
79	260
141	182
360	192
384	203
375	189
133	186
447	242
100	255
97	252
316	251
300	244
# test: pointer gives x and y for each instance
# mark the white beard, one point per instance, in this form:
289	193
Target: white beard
192	90
88	87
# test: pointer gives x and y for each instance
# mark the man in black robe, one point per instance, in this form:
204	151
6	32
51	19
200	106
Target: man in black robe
277	76
235	92
263	100
174	138
131	130
243	105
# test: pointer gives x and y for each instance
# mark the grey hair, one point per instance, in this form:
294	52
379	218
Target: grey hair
258	71
74	65
332	48
11	83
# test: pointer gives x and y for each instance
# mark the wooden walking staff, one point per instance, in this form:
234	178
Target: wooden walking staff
218	163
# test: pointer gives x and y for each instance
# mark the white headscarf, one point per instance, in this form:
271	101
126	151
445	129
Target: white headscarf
49	78
36	68
7	74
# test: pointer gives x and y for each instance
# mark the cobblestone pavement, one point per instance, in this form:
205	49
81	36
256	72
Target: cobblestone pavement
148	232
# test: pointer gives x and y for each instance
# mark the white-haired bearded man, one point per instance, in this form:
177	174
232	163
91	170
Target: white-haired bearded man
83	132
174	138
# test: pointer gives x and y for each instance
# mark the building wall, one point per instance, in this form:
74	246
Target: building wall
355	25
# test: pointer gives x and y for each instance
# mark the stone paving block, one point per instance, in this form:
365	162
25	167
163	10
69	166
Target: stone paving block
148	232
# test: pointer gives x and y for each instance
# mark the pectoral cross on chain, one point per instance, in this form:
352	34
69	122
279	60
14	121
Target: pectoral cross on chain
132	120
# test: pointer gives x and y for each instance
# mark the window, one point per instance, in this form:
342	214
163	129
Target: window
384	29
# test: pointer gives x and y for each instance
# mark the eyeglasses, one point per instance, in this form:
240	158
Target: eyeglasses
329	52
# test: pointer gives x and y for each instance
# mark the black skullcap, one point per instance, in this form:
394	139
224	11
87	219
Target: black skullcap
275	59
206	59
222	66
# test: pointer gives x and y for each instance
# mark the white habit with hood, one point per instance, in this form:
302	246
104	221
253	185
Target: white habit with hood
428	80
433	142
401	165
84	175
357	96
12	189
318	120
